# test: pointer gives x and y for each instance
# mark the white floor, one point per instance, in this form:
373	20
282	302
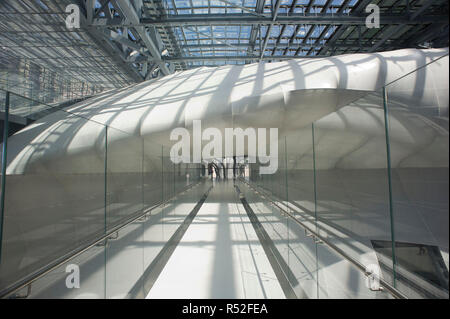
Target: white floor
219	256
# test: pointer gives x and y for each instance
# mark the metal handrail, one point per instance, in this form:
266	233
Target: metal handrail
392	290
71	255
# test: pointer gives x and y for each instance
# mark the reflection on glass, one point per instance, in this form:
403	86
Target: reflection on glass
124	177
300	180
351	189
83	277
54	197
419	144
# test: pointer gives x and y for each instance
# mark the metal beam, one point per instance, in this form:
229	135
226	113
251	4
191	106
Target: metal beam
430	33
393	30
269	30
292	8
280	36
125	41
308	34
110	49
247	19
269	45
234	58
361	6
90	8
255	28
386	36
326	6
308	7
341	29
104	8
242	8
132	17
320	38
423	8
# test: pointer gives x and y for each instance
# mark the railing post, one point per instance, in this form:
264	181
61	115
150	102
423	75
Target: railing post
4	157
313	138
391	209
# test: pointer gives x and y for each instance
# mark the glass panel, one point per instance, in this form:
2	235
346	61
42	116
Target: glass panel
2	163
125	262
23	109
82	277
172	214
419	144
300	181
61	161
55	198
124	177
2	100
352	191
282	201
153	240
168	174
152	187
20	106
124	201
338	278
266	204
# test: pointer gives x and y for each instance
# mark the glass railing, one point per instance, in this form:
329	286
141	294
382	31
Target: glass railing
81	198
31	110
363	195
358	207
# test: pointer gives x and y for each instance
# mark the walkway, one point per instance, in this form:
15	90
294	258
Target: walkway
219	256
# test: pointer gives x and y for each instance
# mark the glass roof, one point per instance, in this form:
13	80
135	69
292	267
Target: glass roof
111	48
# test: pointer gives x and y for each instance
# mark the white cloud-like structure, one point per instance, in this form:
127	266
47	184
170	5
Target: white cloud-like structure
288	95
